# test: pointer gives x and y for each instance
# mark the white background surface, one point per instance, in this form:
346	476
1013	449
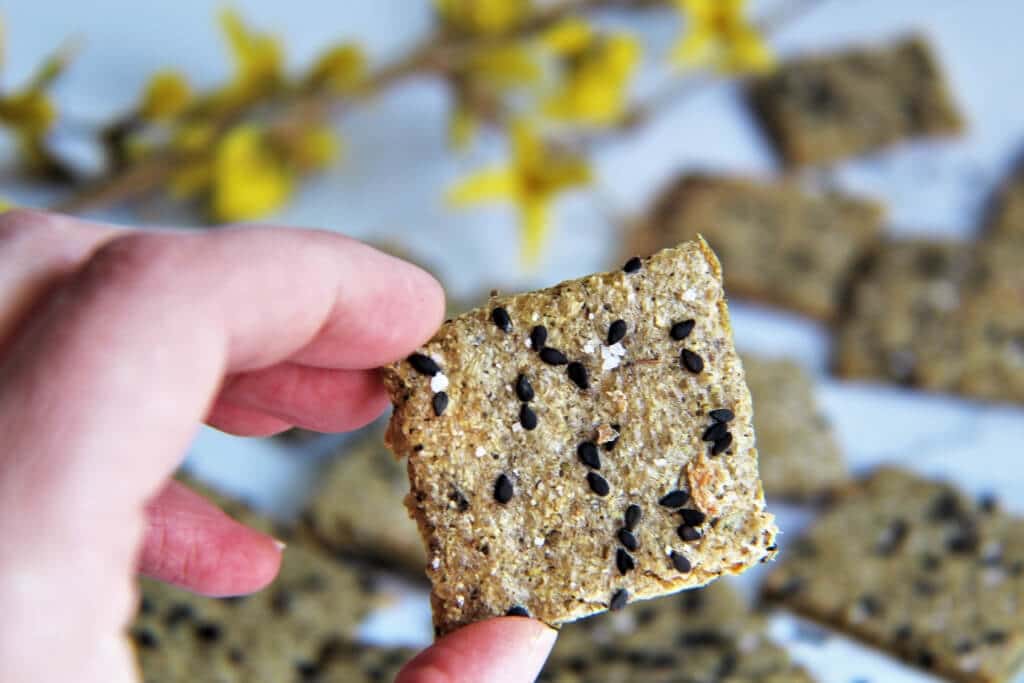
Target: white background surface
397	167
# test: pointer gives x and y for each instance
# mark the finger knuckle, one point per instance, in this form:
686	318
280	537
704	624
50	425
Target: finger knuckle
133	263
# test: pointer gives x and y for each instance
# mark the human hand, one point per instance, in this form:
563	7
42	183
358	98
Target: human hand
114	346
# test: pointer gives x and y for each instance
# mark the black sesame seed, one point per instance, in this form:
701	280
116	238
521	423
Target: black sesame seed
988	504
963	647
597	484
517	611
682	330
721	445
538	335
965	541
459	498
524	390
440	403
715	432
208	632
892	537
501	318
688	533
178	613
945	506
871	605
624	561
632	265
281	601
925	659
425	365
578	375
145	638
588	455
675	499
619	600
680	562
633	516
722	415
503	489
903	632
691	361
527	418
616	332
996	637
145	605
553	356
628	540
692	517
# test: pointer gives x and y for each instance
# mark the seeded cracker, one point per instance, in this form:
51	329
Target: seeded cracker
798	453
779	243
1007	220
357	509
917	568
528	515
822	109
274	635
707	634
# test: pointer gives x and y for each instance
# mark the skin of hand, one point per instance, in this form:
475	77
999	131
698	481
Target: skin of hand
115	345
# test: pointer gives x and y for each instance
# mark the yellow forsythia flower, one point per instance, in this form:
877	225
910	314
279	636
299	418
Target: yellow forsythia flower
340	69
720	35
483	17
481	83
259	64
249	179
568	37
597	76
314	148
537	175
167	94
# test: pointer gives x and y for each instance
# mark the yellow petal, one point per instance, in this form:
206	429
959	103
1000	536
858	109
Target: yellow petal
340	69
567	172
462	128
193	137
249	180
483	17
316	148
484	186
695	48
527	147
749	53
258	58
568	37
30	112
534	227
505	66
166	96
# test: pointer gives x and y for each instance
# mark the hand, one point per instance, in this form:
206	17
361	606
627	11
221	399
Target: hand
114	346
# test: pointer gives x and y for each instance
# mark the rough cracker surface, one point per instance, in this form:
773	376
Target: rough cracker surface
358	508
917	568
945	316
779	243
799	455
820	109
552	547
700	636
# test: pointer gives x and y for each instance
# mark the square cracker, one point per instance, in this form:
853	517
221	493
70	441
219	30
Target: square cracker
358	507
512	517
820	109
917	568
944	316
799	455
779	243
705	634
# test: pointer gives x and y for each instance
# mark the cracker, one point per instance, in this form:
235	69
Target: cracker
915	567
268	636
358	508
779	244
820	109
941	315
706	634
511	513
1007	219
799	455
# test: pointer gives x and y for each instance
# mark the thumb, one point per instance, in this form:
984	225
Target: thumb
502	650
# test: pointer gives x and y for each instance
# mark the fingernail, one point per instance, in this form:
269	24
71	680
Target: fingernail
281	545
